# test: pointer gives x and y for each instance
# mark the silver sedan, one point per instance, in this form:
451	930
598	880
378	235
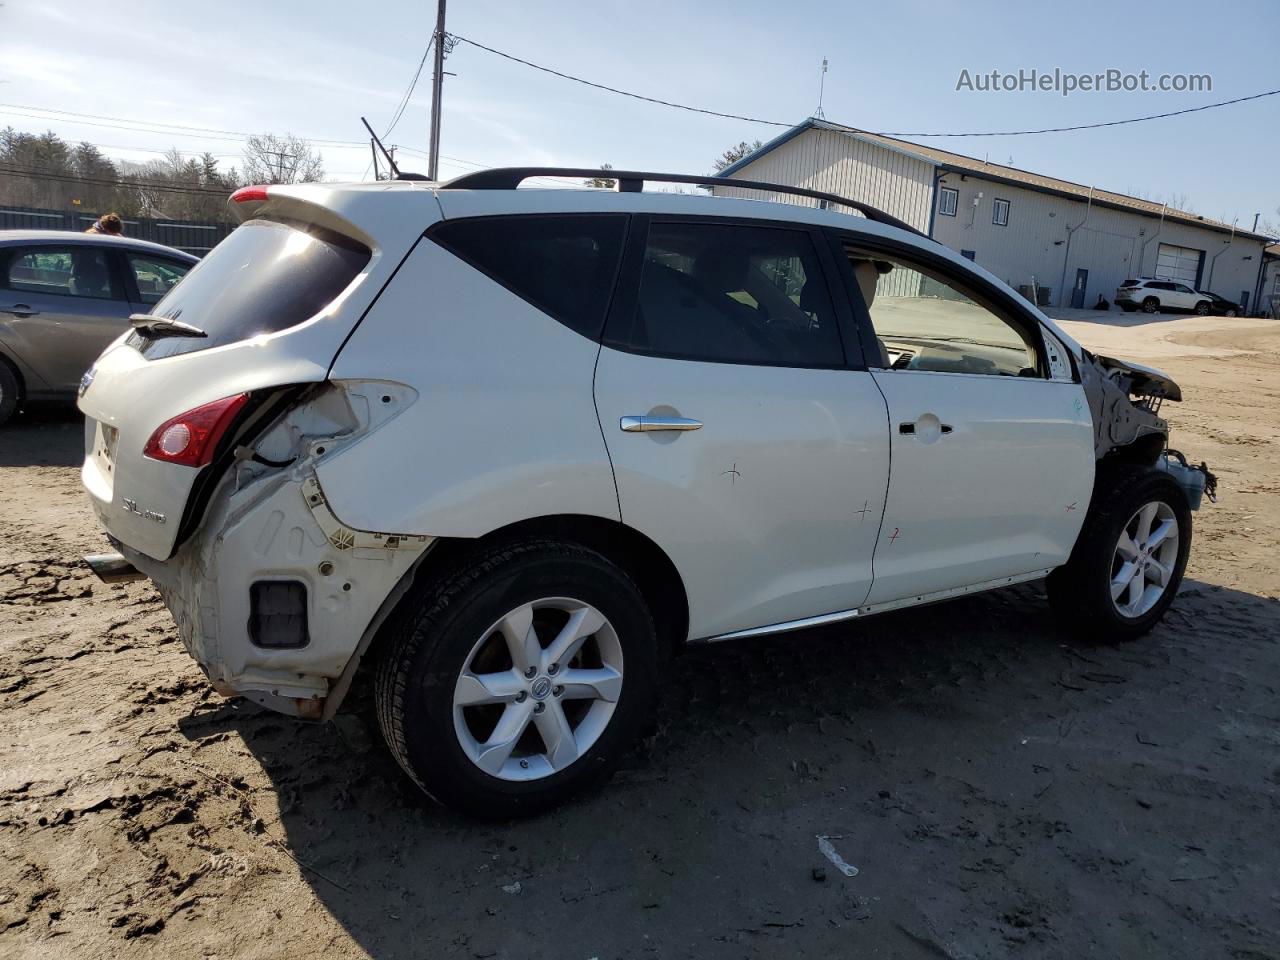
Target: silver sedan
63	297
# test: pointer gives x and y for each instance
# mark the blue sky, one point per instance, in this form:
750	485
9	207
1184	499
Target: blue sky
312	69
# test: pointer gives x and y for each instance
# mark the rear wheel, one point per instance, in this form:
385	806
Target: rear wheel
519	681
1129	558
1151	305
8	393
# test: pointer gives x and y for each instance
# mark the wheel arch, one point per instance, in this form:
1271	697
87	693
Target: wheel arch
641	558
12	366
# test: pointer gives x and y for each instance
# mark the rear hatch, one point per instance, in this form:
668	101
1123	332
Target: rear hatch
275	301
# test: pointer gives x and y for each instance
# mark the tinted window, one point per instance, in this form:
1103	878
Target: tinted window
734	294
926	321
265	277
155	276
563	265
79	271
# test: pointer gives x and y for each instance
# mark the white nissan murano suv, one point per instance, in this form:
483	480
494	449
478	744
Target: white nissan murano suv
510	448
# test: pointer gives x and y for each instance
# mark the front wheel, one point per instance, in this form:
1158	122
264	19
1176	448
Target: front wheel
1129	558
520	680
1202	308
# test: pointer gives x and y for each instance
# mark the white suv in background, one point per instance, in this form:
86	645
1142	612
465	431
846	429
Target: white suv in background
1154	295
512	448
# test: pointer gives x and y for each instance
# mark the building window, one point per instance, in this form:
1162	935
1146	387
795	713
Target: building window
948	200
1000	213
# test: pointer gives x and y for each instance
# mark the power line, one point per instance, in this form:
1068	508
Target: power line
404	101
880	133
32	173
624	93
1086	126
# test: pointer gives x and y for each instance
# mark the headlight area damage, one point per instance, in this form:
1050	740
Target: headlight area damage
1125	400
270	558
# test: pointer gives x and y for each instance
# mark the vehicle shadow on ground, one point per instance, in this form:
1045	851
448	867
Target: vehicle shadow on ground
46	436
997	784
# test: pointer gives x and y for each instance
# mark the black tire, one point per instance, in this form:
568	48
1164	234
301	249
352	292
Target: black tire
433	635
1231	312
9	393
1151	305
1080	591
1202	308
1128	307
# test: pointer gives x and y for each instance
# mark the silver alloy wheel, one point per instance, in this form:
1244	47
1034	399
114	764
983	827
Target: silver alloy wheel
1144	560
538	689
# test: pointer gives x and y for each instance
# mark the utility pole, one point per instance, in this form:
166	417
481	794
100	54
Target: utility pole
1255	222
377	175
437	85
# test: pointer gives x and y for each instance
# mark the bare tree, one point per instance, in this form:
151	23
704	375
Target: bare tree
603	183
736	153
272	158
1175	201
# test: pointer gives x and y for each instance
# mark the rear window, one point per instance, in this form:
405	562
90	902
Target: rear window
1129	283
562	264
265	277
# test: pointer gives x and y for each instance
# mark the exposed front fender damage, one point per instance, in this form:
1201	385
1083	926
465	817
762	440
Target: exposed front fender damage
1124	401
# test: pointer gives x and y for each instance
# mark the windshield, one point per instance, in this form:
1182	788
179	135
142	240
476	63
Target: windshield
265	277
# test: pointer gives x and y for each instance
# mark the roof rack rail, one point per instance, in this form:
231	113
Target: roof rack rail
632	181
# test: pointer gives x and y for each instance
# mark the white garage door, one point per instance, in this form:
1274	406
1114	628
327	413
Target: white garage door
1178	263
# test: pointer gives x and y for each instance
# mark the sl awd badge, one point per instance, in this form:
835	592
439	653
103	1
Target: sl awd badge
132	507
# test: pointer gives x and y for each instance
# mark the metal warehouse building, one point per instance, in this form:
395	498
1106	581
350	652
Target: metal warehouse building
1070	242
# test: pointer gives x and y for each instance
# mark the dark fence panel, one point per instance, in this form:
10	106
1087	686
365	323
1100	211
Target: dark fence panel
197	238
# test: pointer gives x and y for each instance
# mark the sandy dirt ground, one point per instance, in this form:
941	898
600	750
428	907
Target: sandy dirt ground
1004	789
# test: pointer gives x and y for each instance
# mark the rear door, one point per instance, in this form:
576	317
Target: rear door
743	440
992	442
62	305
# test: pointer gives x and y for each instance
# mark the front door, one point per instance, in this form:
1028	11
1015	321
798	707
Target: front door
1077	291
62	305
992	449
740	439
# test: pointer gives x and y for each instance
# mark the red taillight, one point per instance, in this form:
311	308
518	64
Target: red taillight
191	438
246	194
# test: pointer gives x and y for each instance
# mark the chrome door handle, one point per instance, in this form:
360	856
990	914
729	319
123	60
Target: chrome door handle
21	310
651	424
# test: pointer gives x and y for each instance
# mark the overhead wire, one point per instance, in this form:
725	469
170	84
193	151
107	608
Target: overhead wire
880	133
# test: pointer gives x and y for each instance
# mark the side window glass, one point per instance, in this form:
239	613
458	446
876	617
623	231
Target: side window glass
928	322
155	277
734	294
564	265
62	272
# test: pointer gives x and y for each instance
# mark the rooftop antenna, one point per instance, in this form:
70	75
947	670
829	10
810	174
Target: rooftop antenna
391	162
822	88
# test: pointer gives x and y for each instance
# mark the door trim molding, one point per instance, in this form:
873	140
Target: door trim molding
841	616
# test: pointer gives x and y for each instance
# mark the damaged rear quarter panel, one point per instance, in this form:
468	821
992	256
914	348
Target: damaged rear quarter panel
474	453
273	523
